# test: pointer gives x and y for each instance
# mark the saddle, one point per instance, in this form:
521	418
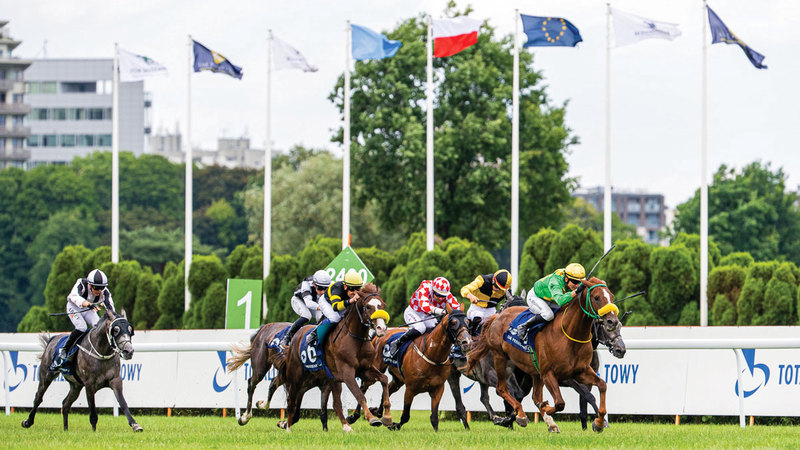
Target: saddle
511	337
275	343
65	366
395	360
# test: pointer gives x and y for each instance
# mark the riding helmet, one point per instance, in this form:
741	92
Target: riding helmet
502	279
97	278
441	286
321	279
575	271
353	279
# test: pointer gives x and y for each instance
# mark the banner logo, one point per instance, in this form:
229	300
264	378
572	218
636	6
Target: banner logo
15	367
224	365
750	379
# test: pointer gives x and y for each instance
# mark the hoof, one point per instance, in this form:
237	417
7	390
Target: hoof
553	429
375	422
597	428
137	428
281	424
26	424
522	421
244	418
386	421
352	418
507	422
394	427
261	404
374	411
346	428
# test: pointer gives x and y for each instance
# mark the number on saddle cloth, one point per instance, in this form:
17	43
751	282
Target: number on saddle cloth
312	356
275	343
394	360
510	334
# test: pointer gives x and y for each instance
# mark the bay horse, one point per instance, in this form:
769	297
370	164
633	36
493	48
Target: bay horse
427	367
349	353
563	351
96	365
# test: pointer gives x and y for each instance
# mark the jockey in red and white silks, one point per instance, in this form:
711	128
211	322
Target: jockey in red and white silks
428	300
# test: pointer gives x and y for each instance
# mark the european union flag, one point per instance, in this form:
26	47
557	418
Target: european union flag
205	59
721	33
549	31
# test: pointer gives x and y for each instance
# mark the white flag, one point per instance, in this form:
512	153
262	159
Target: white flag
630	28
133	67
285	56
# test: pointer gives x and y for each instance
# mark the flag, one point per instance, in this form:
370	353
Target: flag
630	28
450	36
205	59
721	33
549	31
285	56
133	67
367	44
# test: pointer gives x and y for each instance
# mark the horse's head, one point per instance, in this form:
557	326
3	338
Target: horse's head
372	307
597	302
119	333
513	300
455	323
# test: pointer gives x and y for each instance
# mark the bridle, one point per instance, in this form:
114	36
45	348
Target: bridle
112	341
452	335
590	312
366	322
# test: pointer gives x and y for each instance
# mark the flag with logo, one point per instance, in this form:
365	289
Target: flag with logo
451	36
630	28
549	32
284	56
721	33
368	44
205	59
133	67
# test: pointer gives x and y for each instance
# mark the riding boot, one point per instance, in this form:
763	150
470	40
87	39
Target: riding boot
287	338
61	358
522	329
321	328
409	335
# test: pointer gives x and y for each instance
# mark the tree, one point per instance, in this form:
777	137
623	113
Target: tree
750	307
472	139
36	320
152	247
147	292
171	297
674	283
724	285
749	211
626	269
534	256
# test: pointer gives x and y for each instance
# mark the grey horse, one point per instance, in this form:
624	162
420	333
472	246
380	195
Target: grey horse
96	365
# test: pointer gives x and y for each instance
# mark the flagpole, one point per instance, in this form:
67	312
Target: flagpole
703	182
515	161
607	190
346	145
115	160
187	298
429	142
268	177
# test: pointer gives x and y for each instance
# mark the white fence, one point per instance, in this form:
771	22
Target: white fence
667	370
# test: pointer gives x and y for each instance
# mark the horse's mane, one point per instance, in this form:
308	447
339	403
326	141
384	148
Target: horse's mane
369	288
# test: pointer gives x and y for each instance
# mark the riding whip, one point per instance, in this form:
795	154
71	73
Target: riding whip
78	311
630	296
598	261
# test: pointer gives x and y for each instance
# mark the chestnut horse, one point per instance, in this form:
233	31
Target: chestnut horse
426	364
563	351
349	353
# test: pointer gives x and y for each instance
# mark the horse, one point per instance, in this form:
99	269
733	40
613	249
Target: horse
348	355
426	368
96	366
563	351
520	383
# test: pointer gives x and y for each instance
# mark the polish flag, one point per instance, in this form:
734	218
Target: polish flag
450	36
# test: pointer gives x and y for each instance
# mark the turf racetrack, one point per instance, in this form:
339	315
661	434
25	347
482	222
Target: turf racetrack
207	431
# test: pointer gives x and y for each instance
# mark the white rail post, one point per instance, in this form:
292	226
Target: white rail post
738	354
5	385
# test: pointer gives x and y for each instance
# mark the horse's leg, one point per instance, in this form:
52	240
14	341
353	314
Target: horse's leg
349	378
551	383
45	378
356	414
385	409
408	398
92	409
273	386
436	397
74	390
537	392
325	393
589	377
500	360
454	381
338	408
252	383
116	386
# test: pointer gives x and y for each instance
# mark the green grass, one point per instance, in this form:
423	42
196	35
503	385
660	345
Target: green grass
216	432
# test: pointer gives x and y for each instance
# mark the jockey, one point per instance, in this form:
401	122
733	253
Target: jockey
340	295
428	300
305	300
558	287
483	293
83	302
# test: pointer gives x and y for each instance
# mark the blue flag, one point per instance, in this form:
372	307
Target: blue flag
549	31
368	44
721	33
205	59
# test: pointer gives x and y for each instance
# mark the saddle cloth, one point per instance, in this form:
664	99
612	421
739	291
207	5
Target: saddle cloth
511	337
64	366
394	361
312	357
275	343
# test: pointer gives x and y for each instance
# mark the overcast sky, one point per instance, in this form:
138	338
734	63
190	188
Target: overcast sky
655	94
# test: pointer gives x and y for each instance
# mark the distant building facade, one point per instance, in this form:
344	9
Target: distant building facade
71	102
13	131
647	212
230	152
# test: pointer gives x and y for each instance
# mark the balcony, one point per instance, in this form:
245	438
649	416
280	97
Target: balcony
7	85
14	131
15	154
14	108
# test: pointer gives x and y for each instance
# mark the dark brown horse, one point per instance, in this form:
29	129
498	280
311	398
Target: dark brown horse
348	353
426	363
96	366
563	351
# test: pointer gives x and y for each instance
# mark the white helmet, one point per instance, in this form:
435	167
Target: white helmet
321	279
97	278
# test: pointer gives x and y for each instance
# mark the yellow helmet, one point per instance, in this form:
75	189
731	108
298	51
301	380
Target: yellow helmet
575	271
353	279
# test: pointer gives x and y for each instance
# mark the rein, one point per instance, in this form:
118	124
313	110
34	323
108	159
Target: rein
366	323
588	310
94	353
447	333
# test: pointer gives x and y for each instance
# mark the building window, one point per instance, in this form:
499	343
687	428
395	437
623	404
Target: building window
634	207
40	114
105	86
85	140
48	87
16	75
33	140
74	87
48	140
108	114
17	120
95	113
633	219
76	114
59	114
652	221
68	140
32	87
17	142
17	98
104	140
2	74
2	120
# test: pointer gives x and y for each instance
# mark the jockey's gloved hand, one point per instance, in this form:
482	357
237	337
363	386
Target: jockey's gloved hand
580	289
437	311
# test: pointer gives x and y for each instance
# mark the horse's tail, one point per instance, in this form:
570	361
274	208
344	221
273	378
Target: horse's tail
481	347
241	353
44	340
